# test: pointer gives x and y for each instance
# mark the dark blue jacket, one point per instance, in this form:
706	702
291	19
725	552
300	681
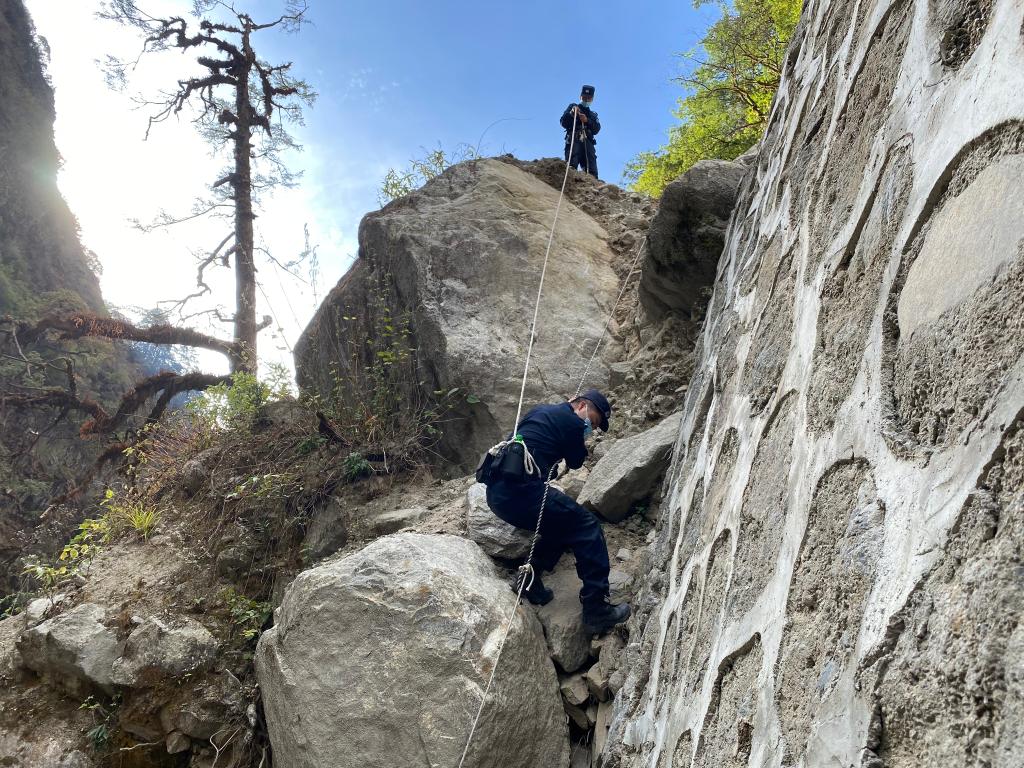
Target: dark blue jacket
590	128
553	433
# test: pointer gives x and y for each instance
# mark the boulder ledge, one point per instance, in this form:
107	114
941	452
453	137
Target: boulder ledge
379	659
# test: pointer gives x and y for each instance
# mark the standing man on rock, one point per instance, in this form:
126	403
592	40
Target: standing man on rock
553	433
587	126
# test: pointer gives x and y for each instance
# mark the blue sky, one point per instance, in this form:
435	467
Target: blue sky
395	77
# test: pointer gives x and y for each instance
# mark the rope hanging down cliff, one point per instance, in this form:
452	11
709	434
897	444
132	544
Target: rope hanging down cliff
525	576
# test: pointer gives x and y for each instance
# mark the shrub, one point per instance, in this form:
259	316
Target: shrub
235	406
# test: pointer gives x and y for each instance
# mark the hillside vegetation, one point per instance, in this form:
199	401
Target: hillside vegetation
729	82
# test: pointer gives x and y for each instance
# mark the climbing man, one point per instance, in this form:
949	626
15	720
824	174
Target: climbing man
552	433
587	126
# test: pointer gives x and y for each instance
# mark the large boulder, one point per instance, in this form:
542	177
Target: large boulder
495	537
630	469
686	238
379	659
159	650
73	649
451	271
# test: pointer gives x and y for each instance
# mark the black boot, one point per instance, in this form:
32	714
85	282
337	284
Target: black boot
538	594
599	617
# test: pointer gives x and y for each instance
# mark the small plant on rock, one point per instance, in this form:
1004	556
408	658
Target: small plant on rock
247	615
105	715
129	513
74	557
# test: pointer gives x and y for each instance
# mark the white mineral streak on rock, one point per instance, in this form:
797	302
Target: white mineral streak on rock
844	519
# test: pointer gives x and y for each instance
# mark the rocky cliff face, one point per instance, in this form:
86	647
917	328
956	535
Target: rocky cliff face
456	264
43	270
40	254
836	579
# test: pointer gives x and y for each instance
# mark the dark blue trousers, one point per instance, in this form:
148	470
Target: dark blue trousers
584	157
565	525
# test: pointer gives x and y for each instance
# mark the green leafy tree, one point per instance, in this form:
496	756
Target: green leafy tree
730	81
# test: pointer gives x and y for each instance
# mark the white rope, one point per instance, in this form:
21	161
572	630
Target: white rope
526	572
525	578
543	272
611	316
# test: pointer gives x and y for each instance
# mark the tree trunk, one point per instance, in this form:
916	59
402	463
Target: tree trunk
244	356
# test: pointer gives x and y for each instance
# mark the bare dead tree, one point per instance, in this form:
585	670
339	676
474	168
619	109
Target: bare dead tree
240	103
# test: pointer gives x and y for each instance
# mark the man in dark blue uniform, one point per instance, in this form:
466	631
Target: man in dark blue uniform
553	433
584	155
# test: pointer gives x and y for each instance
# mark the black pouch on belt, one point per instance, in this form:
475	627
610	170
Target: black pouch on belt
510	463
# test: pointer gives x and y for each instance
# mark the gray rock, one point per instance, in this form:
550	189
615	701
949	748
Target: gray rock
562	618
495	537
160	650
461	257
382	656
196	472
327	531
176	742
623	554
618	372
630	470
581	757
597	678
578	715
574	481
73	649
10	660
601	726
235	559
288	415
686	237
212	706
392	521
619	583
38	609
574	690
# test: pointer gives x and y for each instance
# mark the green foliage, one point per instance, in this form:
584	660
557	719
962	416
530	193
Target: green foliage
311	444
356	466
247	615
730	84
264	487
122	514
129	513
399	183
235	405
75	555
12	604
104	714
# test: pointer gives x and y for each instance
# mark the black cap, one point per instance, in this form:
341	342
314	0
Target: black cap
601	403
588	90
